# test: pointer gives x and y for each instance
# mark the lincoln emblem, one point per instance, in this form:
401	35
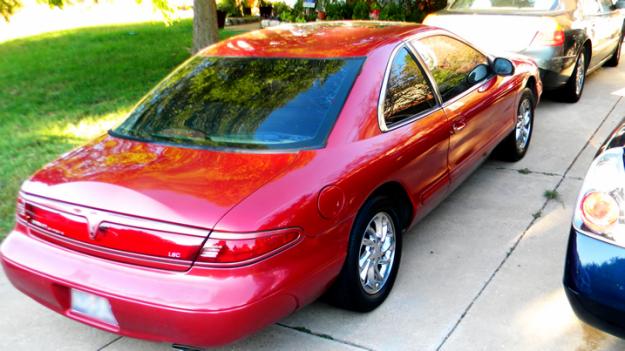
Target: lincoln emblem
93	222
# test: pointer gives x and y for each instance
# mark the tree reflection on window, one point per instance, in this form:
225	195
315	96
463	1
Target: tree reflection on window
407	91
243	102
450	62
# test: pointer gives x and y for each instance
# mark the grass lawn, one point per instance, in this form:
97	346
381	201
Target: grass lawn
58	90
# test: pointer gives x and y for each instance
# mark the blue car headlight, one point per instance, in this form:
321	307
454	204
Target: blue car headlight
600	206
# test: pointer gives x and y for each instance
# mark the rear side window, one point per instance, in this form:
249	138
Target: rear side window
407	90
450	61
245	103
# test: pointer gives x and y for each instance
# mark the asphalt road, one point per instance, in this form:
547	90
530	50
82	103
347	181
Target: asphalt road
482	272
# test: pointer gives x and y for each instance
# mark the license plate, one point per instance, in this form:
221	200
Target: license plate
92	306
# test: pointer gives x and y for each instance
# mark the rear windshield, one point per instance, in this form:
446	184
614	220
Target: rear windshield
248	103
494	5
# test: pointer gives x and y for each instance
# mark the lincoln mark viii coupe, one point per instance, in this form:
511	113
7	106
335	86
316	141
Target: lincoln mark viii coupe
267	170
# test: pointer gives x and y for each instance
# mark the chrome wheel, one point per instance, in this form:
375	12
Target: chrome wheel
377	253
523	124
580	74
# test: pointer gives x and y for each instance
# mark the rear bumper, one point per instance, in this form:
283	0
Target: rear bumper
594	280
553	79
200	307
555	69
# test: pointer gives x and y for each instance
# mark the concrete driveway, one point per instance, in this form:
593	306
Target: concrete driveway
481	272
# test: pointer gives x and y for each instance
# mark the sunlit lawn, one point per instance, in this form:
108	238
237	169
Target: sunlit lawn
58	90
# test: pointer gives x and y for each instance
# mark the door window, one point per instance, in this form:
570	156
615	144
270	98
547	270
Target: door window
450	61
407	90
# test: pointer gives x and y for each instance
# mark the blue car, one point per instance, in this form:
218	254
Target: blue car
594	275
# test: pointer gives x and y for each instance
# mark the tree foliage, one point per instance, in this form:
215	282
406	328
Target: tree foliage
8	7
361	10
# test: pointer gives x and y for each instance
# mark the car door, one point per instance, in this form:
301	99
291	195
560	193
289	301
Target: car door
410	114
601	27
478	118
610	26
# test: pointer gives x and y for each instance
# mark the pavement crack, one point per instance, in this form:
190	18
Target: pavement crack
529	171
524	171
535	218
110	343
323	336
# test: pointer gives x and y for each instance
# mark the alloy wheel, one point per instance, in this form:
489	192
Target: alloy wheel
580	74
377	253
523	124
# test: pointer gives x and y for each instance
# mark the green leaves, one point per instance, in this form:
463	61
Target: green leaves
8	7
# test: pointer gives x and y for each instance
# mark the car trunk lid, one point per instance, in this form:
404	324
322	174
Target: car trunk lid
493	32
142	203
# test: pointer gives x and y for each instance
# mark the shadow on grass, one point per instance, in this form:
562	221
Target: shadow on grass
58	90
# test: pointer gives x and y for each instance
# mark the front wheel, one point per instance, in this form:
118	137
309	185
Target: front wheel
574	87
515	145
373	256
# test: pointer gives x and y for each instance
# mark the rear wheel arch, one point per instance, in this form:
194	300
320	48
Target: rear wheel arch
373	246
531	84
587	50
398	195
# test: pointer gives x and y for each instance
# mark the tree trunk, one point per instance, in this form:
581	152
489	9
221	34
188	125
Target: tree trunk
205	31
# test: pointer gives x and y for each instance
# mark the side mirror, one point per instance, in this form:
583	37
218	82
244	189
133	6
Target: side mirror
478	74
619	5
503	67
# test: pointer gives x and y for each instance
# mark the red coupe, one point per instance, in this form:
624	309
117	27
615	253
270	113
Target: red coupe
269	169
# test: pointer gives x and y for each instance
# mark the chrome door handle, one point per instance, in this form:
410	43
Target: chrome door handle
458	126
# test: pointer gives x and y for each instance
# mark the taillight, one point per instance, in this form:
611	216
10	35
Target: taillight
20	209
550	35
50	220
229	248
601	203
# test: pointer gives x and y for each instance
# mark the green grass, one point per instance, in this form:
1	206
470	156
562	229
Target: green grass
551	194
58	90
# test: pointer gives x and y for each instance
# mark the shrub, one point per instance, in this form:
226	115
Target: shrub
392	12
348	10
286	16
361	10
298	8
229	7
338	10
295	14
416	10
280	9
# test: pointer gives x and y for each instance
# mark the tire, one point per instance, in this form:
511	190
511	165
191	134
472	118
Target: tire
616	56
349	291
572	91
515	145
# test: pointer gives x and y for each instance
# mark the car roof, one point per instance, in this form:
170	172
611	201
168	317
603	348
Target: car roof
316	40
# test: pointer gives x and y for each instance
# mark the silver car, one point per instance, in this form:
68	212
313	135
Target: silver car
567	38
